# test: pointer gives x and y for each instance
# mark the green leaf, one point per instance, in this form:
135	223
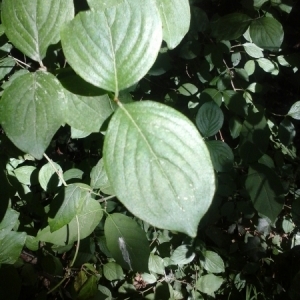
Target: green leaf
182	255
294	111
24	174
151	162
235	127
127	242
73	174
221	155
31	111
254	136
211	94
266	33
99	179
230	27
286	131
176	17
209	284
250	67
87	113
33	25
268	66
187	89
253	50
48	178
209	119
101	5
122	45
11	246
212	262
88	218
265	190
70	201
113	271
156	264
89	289
8	222
6	65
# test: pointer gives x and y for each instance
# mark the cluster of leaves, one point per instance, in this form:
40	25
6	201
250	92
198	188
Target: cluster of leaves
193	194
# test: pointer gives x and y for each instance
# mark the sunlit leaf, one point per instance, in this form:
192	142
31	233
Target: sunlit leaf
88	218
212	262
32	110
294	111
48	177
11	246
70	201
122	45
33	25
112	271
175	16
209	283
155	171
182	255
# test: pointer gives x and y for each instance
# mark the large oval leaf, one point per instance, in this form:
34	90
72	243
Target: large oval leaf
127	242
266	33
31	111
114	48
176	17
32	25
265	190
159	166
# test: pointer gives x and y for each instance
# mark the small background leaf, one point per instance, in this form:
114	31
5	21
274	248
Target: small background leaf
221	155
120	226
48	178
182	255
209	284
294	111
89	217
212	262
265	190
209	119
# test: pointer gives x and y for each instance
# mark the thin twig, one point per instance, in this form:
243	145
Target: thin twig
56	171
